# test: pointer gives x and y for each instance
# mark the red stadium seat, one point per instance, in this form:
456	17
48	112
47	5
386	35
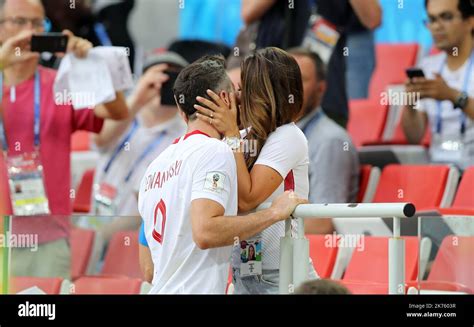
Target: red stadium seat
82	241
463	204
371	264
81	141
423	185
82	201
366	121
367	117
106	285
122	256
369	178
50	286
391	62
465	194
454	261
323	256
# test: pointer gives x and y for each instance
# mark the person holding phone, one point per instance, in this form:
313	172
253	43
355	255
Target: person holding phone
445	86
35	135
128	147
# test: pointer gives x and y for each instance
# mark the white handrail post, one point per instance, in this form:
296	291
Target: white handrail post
286	259
396	260
300	256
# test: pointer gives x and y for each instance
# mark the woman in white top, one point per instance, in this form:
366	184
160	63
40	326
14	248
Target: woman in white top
271	156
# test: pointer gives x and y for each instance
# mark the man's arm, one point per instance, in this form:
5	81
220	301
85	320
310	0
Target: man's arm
114	110
414	121
469	109
253	10
212	229
146	262
369	12
414	124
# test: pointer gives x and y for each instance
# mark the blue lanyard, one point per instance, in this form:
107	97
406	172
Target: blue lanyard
309	125
145	153
37	112
102	35
439	123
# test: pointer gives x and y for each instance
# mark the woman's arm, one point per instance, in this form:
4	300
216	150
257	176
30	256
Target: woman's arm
255	186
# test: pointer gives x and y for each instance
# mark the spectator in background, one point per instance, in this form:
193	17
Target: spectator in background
43	129
342	14
322	286
270	23
361	45
333	159
447	92
281	24
128	147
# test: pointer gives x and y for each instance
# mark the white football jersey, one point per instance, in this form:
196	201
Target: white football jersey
196	166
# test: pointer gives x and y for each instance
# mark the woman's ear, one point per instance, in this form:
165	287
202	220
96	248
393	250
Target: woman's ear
224	95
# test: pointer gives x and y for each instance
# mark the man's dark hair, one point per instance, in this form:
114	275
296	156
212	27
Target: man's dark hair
466	7
207	73
317	61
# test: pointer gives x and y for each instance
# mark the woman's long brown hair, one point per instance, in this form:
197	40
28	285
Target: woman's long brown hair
272	95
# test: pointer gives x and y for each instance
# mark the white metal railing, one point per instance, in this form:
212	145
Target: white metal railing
294	252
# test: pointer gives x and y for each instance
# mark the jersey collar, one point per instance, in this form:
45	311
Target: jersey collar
196	132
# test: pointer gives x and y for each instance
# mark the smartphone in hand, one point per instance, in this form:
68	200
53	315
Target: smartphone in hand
414	73
49	42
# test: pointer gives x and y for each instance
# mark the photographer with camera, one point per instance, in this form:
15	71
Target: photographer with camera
35	134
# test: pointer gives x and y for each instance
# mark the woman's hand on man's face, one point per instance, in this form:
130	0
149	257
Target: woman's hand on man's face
218	113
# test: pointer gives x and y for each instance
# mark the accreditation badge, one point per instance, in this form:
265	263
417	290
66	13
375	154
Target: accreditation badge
322	37
26	181
251	257
447	149
105	197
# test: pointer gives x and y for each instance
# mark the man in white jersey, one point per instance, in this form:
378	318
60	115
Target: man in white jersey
188	196
447	90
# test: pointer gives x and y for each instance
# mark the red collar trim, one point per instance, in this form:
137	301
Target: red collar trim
196	132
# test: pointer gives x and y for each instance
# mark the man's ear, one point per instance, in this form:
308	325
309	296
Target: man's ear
322	87
224	95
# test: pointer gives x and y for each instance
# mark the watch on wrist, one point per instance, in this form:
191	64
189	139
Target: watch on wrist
461	101
233	143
